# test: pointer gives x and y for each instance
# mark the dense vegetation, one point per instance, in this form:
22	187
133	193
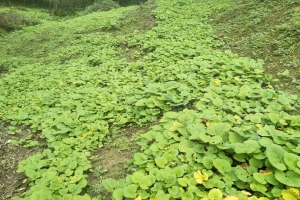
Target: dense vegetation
222	132
65	7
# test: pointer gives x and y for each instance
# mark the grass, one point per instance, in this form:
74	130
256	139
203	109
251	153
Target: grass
266	30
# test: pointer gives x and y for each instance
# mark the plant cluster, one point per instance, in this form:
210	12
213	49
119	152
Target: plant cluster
236	137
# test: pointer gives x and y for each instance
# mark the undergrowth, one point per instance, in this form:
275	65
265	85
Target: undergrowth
224	131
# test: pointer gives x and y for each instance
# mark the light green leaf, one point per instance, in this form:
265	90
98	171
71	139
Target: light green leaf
208	162
289	178
183	181
274	117
186	118
110	184
160	195
215	194
161	162
295	121
118	194
215	139
136	177
171	115
130	191
218	102
223	166
74	189
275	154
255	119
218	128
291	161
160	176
259	177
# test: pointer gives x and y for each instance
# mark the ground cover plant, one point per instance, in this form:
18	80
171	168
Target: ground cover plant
221	130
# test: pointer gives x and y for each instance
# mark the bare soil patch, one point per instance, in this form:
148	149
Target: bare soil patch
113	160
13	183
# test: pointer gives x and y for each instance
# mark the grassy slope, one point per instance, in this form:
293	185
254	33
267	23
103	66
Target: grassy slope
71	81
267	30
17	17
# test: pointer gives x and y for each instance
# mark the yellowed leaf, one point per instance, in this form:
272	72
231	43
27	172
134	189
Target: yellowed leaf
237	79
217	81
238	118
138	198
246	193
84	135
175	125
259	126
291	194
199	177
265	172
231	197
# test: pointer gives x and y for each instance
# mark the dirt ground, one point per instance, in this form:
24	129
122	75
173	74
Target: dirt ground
11	182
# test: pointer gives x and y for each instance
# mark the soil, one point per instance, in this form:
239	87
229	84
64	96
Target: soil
13	183
114	159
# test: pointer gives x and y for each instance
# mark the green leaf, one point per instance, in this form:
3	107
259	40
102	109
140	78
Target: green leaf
160	176
215	194
265	142
179	171
170	180
295	121
242	174
161	162
274	117
74	189
75	178
208	162
218	128
259	177
140	158
110	184
130	191
174	191
145	182
215	139
205	138
289	178
22	115
136	177
186	118
118	194
183	181
161	195
255	119
171	115
251	146
275	154
291	161
218	102
223	166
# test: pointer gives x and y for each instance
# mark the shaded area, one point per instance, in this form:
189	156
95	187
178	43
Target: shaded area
11	21
267	30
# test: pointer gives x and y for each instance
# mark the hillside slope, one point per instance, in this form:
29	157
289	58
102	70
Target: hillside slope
222	130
